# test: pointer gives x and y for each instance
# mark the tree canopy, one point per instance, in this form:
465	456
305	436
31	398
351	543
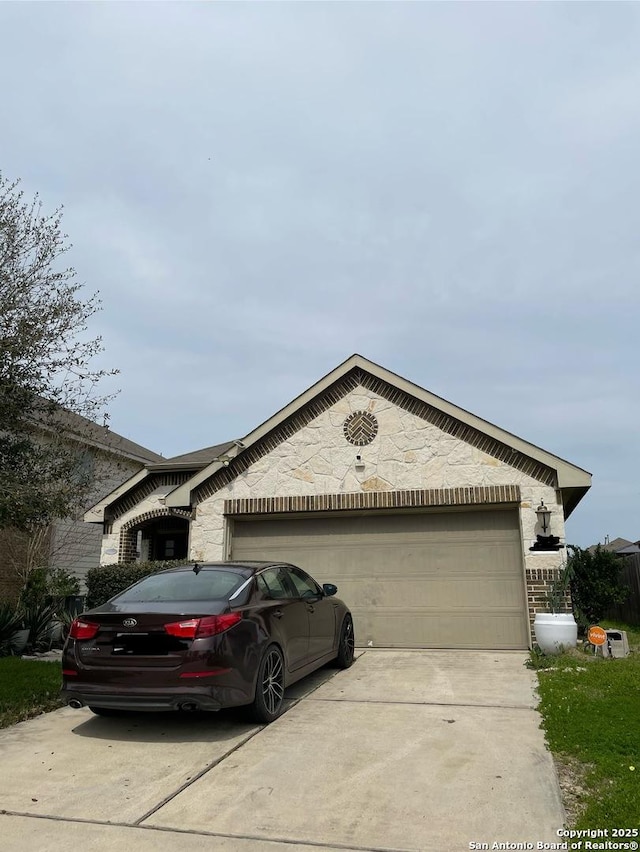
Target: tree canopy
47	383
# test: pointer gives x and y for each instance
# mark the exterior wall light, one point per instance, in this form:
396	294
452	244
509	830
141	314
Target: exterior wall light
544	516
359	463
546	541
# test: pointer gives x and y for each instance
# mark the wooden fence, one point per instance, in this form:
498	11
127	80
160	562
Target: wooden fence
629	611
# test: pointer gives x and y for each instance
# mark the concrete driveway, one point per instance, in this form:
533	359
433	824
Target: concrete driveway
407	750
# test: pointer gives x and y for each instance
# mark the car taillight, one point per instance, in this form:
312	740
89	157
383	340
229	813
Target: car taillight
83	629
197	628
213	624
183	629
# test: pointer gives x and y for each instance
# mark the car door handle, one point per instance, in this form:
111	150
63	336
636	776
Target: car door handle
278	613
310	608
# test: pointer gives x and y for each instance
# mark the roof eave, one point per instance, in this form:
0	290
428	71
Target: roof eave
167	468
571	496
96	514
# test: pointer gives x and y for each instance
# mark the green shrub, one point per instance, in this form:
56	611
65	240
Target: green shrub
595	583
48	586
36	589
105	581
62	584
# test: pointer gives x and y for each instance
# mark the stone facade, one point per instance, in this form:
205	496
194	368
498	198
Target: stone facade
408	454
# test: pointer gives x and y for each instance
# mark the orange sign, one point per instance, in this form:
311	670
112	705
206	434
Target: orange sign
596	635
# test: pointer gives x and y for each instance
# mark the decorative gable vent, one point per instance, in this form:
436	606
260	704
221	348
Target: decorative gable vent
360	428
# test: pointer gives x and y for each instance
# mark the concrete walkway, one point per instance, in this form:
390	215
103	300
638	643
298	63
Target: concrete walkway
407	750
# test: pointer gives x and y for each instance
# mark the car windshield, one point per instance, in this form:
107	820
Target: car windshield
206	585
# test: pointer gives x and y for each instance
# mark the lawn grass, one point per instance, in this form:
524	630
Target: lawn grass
591	717
27	688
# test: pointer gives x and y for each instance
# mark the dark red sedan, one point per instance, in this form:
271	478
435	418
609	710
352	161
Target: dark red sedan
204	637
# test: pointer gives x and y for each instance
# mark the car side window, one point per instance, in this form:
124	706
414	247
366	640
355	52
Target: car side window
272	583
305	586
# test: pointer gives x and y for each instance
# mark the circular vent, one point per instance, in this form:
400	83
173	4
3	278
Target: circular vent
360	428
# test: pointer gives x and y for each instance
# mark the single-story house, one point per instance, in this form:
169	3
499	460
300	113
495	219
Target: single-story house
423	514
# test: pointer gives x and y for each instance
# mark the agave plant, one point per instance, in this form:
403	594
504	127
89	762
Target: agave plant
65	618
37	619
10	621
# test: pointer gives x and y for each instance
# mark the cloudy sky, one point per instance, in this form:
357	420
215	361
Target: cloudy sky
260	190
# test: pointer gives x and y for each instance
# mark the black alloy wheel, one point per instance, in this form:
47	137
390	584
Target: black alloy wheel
347	645
267	705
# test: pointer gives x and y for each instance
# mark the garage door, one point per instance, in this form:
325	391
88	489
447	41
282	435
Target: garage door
440	580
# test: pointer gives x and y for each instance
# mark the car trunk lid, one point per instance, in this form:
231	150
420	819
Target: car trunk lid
126	637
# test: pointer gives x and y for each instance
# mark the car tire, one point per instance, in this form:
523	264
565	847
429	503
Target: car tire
346	645
107	711
269	697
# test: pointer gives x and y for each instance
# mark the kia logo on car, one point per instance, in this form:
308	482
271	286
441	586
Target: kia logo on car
129	622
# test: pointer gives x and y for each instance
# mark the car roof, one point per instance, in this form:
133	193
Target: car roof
244	566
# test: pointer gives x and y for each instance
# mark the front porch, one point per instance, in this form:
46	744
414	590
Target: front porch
160	535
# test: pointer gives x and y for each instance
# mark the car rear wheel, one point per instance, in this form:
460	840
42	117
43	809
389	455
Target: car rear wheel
346	648
267	704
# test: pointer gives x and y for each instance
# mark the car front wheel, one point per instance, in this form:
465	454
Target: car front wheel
267	704
347	645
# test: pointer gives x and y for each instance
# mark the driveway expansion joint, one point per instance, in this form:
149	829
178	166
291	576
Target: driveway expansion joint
426	703
196	777
292	703
201	833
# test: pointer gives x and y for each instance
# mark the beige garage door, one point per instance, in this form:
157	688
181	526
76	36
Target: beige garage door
439	580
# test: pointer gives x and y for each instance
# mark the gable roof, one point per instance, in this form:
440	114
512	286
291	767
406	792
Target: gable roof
189	462
226	461
572	480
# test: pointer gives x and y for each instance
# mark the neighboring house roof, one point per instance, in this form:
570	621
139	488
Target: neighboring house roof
614	546
572	480
629	549
101	437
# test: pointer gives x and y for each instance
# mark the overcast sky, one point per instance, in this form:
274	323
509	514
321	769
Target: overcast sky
259	191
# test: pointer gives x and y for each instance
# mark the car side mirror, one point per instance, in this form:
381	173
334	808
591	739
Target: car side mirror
329	589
